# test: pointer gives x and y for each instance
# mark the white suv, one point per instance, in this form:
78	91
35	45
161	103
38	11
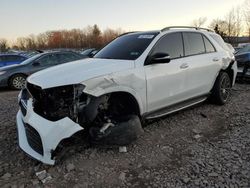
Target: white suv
138	76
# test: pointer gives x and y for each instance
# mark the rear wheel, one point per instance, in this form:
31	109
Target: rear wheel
222	89
17	81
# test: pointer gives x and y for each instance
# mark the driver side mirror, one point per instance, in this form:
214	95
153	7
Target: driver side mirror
36	63
160	58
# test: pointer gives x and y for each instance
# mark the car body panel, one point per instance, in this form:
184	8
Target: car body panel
81	70
243	61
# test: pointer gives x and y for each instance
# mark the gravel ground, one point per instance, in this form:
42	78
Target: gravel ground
205	146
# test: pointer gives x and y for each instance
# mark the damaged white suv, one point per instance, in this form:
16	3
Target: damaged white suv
138	76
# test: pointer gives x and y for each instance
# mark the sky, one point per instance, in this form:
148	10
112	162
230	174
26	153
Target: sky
19	18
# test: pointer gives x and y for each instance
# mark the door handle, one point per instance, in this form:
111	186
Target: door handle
184	66
216	59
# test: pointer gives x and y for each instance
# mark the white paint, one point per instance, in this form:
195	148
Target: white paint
51	133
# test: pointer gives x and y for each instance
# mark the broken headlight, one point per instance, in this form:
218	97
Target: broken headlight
59	102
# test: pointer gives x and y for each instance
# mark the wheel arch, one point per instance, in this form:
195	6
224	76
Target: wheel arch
229	70
121	90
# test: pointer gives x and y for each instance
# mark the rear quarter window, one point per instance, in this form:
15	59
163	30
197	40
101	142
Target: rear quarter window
208	45
220	41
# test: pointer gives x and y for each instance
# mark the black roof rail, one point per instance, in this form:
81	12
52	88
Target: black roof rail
186	27
127	33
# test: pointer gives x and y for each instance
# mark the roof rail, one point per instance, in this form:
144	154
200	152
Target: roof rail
186	27
127	33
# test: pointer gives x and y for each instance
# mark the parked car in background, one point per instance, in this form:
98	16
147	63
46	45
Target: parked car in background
243	60
31	53
236	49
14	76
89	52
11	59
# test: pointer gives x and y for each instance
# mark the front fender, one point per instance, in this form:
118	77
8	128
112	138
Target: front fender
105	85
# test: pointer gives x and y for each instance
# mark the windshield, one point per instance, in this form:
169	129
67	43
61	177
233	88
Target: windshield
127	47
27	61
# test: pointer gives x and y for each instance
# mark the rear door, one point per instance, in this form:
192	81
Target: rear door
202	61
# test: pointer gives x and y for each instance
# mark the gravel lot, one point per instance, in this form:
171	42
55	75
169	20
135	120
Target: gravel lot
205	146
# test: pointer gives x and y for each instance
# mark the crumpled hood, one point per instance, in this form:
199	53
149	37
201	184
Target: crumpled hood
77	72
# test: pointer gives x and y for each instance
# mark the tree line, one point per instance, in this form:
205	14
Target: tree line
89	37
234	24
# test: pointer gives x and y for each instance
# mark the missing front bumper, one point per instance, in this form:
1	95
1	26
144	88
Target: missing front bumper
38	137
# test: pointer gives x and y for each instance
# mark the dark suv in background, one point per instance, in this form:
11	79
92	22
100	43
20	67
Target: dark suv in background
15	76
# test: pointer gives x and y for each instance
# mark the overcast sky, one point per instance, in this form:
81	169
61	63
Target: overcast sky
24	17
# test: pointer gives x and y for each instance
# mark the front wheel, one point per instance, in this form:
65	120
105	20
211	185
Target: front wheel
17	81
222	89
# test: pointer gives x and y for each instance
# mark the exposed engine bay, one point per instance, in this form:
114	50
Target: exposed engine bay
100	116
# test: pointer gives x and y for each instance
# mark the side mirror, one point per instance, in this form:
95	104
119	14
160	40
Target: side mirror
160	58
36	63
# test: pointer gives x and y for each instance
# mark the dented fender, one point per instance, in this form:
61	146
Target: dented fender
112	83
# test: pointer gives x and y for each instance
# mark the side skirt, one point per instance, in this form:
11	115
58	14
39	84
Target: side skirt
176	107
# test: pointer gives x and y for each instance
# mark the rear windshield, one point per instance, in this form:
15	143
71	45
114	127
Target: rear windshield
127	47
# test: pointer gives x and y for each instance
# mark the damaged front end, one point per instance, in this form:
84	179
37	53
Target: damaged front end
49	116
46	117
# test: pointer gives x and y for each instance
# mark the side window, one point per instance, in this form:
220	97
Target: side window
171	44
67	57
48	60
72	56
193	44
209	47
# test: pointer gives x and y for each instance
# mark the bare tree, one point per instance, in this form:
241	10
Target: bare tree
199	22
230	28
3	45
238	17
247	15
220	26
230	19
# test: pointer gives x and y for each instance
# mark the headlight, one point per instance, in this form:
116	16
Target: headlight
2	72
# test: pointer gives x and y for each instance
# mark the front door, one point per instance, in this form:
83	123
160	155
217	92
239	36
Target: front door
166	82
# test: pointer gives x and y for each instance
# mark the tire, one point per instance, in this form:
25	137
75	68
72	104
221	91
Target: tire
17	81
123	133
222	89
